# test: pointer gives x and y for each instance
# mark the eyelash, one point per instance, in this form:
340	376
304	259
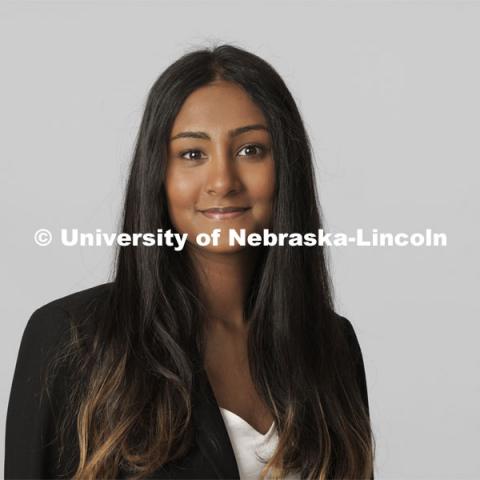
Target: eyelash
259	147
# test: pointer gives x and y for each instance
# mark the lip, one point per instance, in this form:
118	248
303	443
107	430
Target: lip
219	214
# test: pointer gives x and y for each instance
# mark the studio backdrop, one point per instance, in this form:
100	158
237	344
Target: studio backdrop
388	91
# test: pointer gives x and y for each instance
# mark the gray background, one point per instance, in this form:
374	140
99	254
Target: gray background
389	92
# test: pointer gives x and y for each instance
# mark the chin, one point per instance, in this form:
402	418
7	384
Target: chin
224	249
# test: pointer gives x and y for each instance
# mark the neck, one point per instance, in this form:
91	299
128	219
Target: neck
224	282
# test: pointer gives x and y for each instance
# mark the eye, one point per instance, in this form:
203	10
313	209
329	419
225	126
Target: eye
196	152
259	150
194	155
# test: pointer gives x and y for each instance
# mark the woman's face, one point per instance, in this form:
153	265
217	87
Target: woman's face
219	155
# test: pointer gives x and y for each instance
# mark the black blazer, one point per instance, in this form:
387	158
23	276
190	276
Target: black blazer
31	447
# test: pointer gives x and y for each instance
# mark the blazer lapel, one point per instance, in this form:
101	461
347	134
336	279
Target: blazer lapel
211	434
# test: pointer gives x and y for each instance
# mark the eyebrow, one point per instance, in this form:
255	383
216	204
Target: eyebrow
231	133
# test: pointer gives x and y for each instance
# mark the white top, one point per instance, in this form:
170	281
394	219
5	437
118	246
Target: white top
247	443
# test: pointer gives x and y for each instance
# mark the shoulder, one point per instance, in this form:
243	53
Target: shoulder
355	353
350	335
77	301
36	406
50	327
50	324
52	320
347	327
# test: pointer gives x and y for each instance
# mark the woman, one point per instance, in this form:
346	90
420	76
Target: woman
221	361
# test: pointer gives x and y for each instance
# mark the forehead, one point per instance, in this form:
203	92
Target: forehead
217	106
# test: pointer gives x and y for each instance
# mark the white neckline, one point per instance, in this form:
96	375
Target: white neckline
238	418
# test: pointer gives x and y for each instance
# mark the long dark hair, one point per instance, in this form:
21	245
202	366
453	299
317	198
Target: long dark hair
133	408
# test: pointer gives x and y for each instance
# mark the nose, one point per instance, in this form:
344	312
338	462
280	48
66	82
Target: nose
222	176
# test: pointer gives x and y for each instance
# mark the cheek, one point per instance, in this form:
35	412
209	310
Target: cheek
181	190
182	193
261	186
